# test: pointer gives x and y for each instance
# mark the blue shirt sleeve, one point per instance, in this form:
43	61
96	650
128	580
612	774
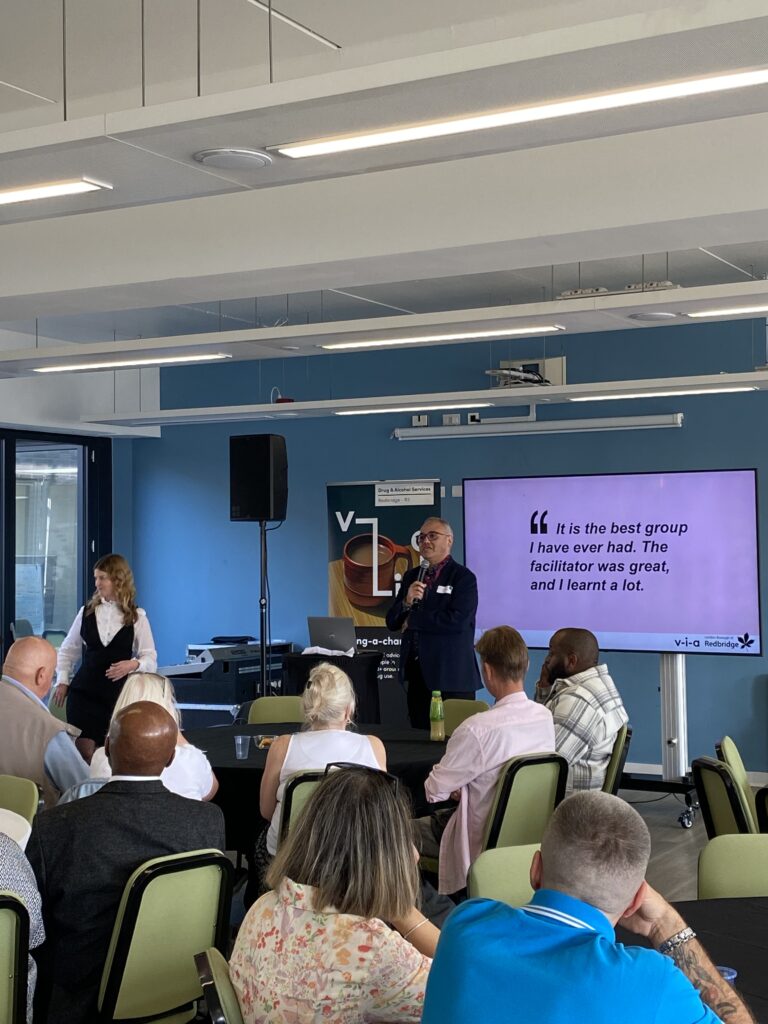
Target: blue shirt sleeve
62	762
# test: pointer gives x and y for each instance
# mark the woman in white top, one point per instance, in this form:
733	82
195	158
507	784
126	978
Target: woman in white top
190	773
329	705
110	638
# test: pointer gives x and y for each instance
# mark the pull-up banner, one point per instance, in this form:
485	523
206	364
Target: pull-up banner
372	527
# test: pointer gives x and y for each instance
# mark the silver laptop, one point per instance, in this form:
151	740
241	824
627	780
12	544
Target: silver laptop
335	634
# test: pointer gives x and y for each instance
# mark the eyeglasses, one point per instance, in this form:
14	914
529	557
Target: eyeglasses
431	536
353	767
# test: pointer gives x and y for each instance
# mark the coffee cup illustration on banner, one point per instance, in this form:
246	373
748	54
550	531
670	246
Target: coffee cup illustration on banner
358	568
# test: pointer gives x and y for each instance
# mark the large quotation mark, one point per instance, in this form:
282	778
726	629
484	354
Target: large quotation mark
539	526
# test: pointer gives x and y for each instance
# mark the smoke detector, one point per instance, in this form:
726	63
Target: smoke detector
653	315
229	158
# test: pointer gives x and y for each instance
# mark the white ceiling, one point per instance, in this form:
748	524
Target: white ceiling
497	219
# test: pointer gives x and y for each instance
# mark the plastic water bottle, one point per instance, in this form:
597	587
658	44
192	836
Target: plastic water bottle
436	717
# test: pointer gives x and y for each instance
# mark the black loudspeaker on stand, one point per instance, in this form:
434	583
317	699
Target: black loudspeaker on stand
258	493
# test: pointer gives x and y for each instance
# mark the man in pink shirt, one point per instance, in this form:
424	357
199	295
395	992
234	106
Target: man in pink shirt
476	752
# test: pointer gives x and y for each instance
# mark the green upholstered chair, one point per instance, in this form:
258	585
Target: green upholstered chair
58	710
618	759
456	711
19	795
529	789
220	997
267	710
722	802
14	949
503	874
299	787
172	907
727	751
734	866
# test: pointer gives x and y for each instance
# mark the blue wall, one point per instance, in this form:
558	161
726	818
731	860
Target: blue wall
198	574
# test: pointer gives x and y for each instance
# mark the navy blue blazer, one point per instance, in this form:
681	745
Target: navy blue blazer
445	620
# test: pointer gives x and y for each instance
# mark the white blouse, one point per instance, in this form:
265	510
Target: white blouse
109	622
189	774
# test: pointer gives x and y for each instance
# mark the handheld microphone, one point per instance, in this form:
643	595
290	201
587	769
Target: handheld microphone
423	566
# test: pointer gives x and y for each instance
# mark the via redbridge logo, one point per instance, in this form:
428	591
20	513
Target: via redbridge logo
745	641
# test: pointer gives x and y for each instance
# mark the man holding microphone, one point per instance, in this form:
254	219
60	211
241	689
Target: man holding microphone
435	609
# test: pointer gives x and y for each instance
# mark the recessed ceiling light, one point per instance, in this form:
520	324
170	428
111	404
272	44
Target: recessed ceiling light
228	158
50	190
412	408
737	311
123	363
507	332
524	115
652	315
672	393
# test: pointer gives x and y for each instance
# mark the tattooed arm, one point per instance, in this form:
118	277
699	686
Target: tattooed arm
657	920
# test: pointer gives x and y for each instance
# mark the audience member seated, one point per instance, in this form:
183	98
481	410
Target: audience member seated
585	704
84	852
317	947
34	744
476	752
329	706
190	773
557	958
16	877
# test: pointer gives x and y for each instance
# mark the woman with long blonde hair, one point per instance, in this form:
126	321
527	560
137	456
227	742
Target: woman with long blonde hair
110	638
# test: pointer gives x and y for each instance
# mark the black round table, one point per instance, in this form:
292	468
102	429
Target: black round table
734	934
410	756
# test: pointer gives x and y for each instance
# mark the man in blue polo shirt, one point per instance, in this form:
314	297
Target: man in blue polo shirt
557	959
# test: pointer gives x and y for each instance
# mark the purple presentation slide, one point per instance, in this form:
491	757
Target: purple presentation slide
647	561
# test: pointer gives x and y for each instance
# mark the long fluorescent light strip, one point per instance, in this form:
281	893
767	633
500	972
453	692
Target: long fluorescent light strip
279	16
413	408
739	311
661	394
509	332
490	429
525	115
123	363
50	190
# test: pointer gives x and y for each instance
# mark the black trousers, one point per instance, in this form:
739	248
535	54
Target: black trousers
420	694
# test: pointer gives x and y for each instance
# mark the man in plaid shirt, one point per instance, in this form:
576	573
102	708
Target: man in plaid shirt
585	704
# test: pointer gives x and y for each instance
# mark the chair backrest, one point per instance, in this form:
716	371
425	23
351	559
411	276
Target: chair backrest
503	874
761	804
299	787
727	751
722	804
266	710
456	711
14	949
171	908
529	789
220	997
19	795
20	628
734	866
58	710
618	759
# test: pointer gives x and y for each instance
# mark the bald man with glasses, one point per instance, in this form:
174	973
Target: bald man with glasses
437	618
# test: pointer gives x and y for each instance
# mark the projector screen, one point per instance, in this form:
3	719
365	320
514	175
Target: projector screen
647	561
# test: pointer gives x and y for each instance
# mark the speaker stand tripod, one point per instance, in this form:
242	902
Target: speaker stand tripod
263	617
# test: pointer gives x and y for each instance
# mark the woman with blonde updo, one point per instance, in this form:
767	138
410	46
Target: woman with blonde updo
329	705
189	774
